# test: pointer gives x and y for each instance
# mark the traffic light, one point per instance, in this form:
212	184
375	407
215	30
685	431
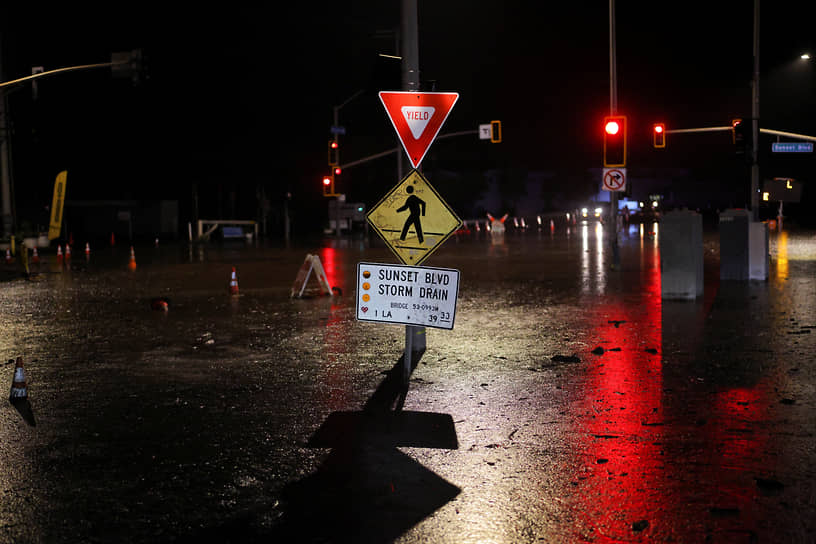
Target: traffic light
334	152
495	132
739	136
129	64
615	141
659	135
328	185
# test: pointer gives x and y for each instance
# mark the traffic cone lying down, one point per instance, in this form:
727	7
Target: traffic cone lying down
19	391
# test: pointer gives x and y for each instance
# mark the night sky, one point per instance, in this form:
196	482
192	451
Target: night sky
241	99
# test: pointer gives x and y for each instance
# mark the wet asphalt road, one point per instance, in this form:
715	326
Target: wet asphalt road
569	403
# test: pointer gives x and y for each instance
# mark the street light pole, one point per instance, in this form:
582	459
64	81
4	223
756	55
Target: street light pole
5	133
336	131
5	167
415	339
755	120
613	110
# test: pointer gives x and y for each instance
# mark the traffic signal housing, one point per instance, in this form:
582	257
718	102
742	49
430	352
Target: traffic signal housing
614	141
334	153
740	136
328	185
495	132
659	135
129	64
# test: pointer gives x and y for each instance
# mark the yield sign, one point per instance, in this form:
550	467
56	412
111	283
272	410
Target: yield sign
417	118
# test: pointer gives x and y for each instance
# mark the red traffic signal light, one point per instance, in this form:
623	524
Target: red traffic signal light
334	152
740	135
612	127
615	141
337	171
328	185
659	135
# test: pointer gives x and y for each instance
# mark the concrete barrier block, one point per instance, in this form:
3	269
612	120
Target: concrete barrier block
681	255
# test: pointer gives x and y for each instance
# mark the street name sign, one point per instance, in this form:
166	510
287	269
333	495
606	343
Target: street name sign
407	295
417	118
792	147
413	220
614	179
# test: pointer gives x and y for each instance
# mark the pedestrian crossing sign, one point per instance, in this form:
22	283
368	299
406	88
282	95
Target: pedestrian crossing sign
413	220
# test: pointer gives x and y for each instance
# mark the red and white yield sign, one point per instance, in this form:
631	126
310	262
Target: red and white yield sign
417	118
614	179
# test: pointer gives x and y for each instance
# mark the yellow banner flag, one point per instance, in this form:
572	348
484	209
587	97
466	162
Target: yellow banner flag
56	205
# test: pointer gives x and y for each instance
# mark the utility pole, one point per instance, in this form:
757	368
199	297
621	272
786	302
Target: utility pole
123	63
5	166
613	110
414	336
755	120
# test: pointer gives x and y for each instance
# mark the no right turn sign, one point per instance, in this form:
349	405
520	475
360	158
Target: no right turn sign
614	179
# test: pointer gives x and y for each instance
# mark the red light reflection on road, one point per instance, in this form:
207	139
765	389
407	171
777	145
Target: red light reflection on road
638	480
336	334
621	412
334	272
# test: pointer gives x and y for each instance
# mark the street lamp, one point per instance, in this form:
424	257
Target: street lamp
805	56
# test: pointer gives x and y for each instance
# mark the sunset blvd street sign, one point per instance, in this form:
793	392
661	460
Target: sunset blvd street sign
407	295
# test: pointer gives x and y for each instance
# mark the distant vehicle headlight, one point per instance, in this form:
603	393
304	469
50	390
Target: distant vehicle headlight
584	212
597	212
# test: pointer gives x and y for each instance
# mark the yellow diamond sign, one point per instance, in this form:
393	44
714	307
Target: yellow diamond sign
413	220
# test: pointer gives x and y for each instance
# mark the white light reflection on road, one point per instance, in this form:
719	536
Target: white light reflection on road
593	273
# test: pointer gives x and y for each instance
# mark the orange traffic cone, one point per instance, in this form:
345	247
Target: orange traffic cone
67	252
59	254
113	240
35	257
233	283
19	391
132	263
87	249
8	256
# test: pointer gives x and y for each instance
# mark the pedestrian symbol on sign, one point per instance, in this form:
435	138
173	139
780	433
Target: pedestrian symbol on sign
429	221
415	205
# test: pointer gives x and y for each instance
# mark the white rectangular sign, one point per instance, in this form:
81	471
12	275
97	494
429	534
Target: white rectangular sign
485	131
614	179
407	295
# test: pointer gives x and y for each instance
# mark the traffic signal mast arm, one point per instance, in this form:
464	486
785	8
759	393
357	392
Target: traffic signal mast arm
396	149
704	129
788	134
58	71
730	127
132	59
